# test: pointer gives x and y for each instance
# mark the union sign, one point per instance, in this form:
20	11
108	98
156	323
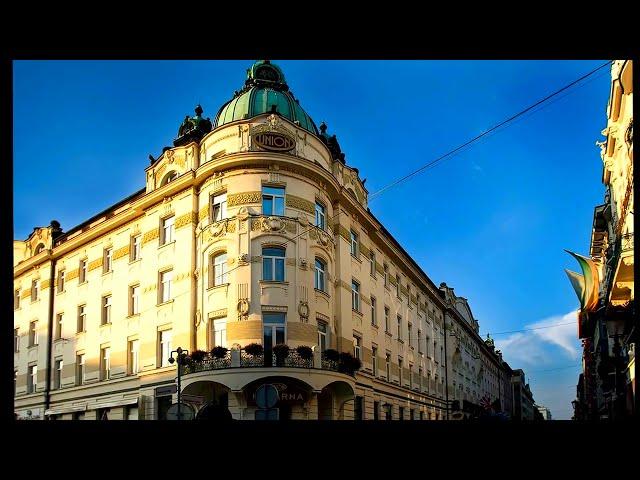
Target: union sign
274	141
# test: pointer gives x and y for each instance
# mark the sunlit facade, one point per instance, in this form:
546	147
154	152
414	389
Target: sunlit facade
251	229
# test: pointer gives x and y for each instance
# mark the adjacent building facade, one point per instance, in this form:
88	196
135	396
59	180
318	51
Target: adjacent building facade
250	230
522	397
607	320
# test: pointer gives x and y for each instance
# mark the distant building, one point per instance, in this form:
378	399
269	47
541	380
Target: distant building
522	397
544	411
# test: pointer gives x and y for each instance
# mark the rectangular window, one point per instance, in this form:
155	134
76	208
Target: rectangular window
272	200
220	332
400	372
80	369
419	341
167	231
32	379
387	327
400	413
16	340
57	374
58	334
164	287
219	270
388	367
411	376
420	378
105	363
388	413
33	333
134	299
399	327
322	336
134	357
356	347
386	274
354	244
374	320
16	299
398	286
82	271
82	318
106	310
164	339
107	261
273	264
426	344
374	361
358	408
355	295
409	333
319	277
34	290
60	281
218	207
320	216
376	410
135	252
372	263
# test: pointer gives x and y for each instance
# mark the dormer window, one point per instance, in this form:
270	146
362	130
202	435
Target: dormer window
170	177
39	248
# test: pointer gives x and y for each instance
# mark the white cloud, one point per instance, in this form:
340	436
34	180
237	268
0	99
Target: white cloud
532	347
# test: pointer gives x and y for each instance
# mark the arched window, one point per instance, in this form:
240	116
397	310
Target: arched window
321	268
218	270
273	263
39	248
170	177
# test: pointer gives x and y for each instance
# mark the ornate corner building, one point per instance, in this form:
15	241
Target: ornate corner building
607	321
251	247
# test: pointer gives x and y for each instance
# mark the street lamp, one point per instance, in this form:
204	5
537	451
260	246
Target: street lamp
179	357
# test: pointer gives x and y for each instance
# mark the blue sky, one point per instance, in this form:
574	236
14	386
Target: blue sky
492	221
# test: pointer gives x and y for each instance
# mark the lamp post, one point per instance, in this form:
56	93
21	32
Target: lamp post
179	357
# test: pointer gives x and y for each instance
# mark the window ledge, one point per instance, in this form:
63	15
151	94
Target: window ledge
273	282
32	346
133	315
35	301
357	258
222	285
322	292
356	312
400	341
375	325
83	283
164	303
388	333
166	244
105	324
135	261
58	292
82	332
107	272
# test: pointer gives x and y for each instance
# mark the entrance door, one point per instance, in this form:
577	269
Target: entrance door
273	330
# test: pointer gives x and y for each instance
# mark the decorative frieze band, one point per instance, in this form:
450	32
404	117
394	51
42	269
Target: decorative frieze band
45	284
71	274
243	198
25	294
121	252
203	213
379	268
392	280
186	219
403	290
364	250
95	264
150	235
218	313
300	203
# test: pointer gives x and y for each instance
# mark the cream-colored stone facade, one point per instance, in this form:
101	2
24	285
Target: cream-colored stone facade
404	321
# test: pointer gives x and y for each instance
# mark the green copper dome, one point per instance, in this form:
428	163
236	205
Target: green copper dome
265	91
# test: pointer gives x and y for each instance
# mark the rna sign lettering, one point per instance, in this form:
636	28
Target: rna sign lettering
274	141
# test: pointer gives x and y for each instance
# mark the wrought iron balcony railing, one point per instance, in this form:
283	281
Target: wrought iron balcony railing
235	358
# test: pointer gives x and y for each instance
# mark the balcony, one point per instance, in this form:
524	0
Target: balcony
238	358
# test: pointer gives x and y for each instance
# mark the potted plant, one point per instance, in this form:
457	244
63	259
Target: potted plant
331	355
304	352
219	352
198	355
281	351
254	349
185	360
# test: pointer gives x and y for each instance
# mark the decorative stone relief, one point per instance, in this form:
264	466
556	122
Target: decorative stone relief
272	224
303	310
243	198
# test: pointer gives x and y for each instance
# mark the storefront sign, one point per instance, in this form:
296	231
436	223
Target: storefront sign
274	141
286	394
166	390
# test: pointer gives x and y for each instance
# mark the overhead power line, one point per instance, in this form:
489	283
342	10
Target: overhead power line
486	132
534	328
